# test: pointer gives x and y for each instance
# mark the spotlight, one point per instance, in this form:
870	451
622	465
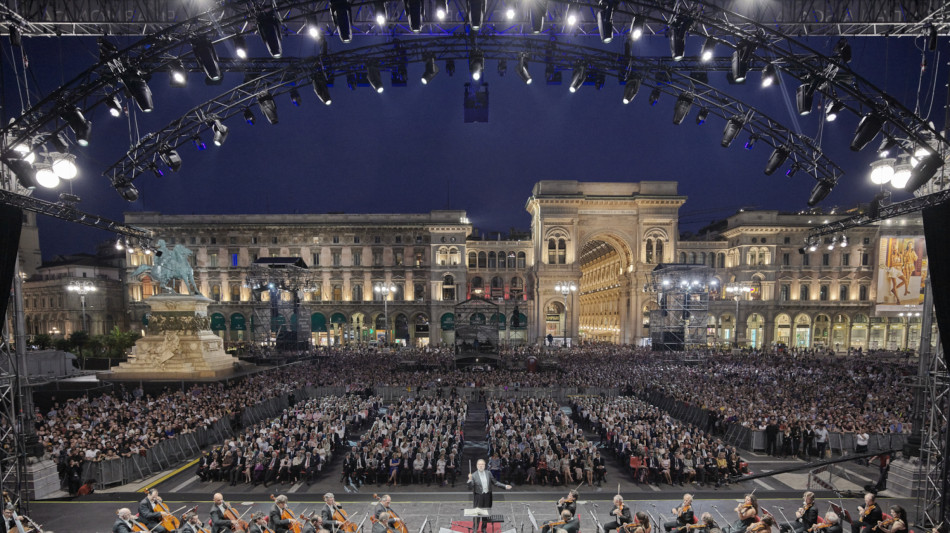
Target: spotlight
476	64
78	123
731	131
379	8
139	90
502	67
523	69
248	116
118	244
803	250
321	90
868	129
114	104
792	170
679	26
313	29
820	192
832	109
805	97
240	46
342	18
220	132
374	78
16	36
450	67
510	13
832	243
199	143
171	158
578	77
59	141
901	173
25	152
415	12
571	18
777	159
631	89
701	116
64	166
24	172
750	144
769	75
177	75
268	26
268	107
605	20
812	246
636	27
295	96
159	173
441	9
887	144
431	70
683	104
127	191
654	96
46	178
537	11
740	60
924	170
207	57
843	50
706	53
476	13
843	242
882	170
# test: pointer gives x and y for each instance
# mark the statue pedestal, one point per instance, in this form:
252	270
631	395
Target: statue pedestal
179	344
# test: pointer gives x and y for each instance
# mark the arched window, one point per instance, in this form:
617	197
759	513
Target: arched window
522	260
659	250
472	258
561	252
843	293
216	292
235	292
764	256
863	292
482	259
649	254
682	257
721	261
692	258
443	256
448	288
454	256
477	283
492	262
511	260
702	258
517	287
750	258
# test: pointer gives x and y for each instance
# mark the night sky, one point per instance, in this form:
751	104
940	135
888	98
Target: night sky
408	150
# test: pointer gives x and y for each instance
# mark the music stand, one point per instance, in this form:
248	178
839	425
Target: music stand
477	514
533	521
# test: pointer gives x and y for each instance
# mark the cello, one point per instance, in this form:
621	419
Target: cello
169	521
237	524
399	526
287	514
340	516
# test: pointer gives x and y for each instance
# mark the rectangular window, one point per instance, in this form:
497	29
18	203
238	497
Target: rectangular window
273	240
234	260
788	240
784	293
845	259
335	255
191	240
786	259
843	293
803	293
213	260
357	257
418	258
214	240
866	240
356	239
232	240
377	258
863	292
805	260
823	293
377	239
336	239
397	258
315	259
253	240
825	259
865	259
398	239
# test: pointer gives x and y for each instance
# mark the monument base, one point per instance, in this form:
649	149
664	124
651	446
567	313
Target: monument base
179	345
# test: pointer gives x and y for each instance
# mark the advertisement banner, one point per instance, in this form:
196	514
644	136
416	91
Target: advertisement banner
901	273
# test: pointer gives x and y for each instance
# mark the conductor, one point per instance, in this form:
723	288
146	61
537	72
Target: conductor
480	482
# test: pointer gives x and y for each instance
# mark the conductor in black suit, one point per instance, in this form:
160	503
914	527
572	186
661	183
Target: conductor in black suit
480	482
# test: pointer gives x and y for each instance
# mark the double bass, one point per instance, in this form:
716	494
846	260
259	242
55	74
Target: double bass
399	526
169	521
287	514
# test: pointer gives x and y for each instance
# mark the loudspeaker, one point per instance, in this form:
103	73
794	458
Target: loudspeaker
936	220
11	222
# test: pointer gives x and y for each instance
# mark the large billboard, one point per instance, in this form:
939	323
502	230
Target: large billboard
901	273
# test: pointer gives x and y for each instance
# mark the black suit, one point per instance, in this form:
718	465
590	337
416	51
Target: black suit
869	521
808	519
685	518
624	518
279	524
189	528
218	522
482	497
572	526
238	468
149	517
120	526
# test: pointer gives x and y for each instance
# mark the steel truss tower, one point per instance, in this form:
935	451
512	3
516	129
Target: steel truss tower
682	295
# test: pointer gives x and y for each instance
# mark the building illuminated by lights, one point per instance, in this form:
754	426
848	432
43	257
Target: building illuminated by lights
581	273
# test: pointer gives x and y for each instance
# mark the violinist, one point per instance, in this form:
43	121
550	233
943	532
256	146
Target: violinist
832	524
805	517
706	525
569	503
123	524
384	523
747	512
869	514
219	519
281	525
568	523
148	515
684	515
762	526
621	514
897	523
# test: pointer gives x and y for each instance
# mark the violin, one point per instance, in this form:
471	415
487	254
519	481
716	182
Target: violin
555	523
885	523
287	514
169	522
819	527
399	526
236	522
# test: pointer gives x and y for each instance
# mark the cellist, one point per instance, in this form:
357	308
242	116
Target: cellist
384	523
124	523
148	515
384	507
281	525
330	513
219	516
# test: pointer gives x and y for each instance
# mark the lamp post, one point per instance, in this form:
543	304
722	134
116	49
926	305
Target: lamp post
83	288
737	290
384	290
565	288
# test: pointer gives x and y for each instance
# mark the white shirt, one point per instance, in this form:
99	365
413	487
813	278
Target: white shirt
483	479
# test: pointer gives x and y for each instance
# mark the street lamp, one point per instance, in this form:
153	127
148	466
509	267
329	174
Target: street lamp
384	290
83	288
737	291
565	288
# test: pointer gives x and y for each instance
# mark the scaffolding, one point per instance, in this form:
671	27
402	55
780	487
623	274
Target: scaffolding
284	279
680	320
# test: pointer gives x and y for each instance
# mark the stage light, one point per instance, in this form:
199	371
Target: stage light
769	75
882	170
843	50
342	18
706	53
159	173
654	96
578	76
740	60
476	13
887	144
46	178
832	109
902	173
805	97
843	242
792	170
441	9
832	243
682	107
220	132
25	152
16	36
379	9
510	13
731	131
537	12
679	26
415	12
750	144
867	130
268	27
207	57
631	89
502	67
777	159
268	107
374	78
820	192
571	18
171	158
932	38
139	90
523	69
925	169
605	20
313	28
24	172
812	246
199	143
432	68
476	64
321	90
64	166
701	116
59	141
240	46
177	75
295	96
118	244
81	127
248	116
636	27
114	104
127	191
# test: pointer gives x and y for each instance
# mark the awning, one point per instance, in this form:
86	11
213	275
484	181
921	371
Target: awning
448	322
522	321
338	318
477	319
498	319
238	323
217	322
318	322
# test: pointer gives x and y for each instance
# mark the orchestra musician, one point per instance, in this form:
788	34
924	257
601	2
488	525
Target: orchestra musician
328	510
706	524
641	523
621	514
832	524
257	523
762	526
123	524
480	483
805	517
897	523
568	503
191	524
384	523
147	514
870	514
747	512
219	523
281	525
684	515
568	523
940	528
383	507
314	525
